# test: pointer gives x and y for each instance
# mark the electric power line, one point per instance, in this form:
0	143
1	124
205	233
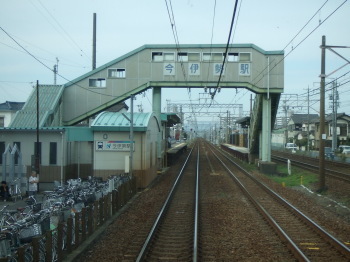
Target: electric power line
307	36
69	81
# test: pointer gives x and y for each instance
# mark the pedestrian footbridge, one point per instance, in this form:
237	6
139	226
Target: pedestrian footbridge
183	66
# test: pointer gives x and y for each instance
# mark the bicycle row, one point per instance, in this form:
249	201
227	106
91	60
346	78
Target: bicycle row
19	227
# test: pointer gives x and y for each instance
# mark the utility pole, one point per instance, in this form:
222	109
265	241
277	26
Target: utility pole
94	43
227	139
308	119
322	135
37	154
285	122
132	144
335	98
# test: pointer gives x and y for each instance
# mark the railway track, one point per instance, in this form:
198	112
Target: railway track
206	217
173	236
315	168
306	240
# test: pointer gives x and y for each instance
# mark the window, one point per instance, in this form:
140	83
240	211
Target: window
186	57
343	129
19	150
217	57
157	56
206	57
160	56
193	57
53	153
232	57
2	121
169	57
116	73
182	57
97	82
244	57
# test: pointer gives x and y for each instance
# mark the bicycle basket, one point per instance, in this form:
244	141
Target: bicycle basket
26	234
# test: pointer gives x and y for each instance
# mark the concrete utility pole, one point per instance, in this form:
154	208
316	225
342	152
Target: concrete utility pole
37	148
335	98
322	185
322	137
94	43
308	119
131	136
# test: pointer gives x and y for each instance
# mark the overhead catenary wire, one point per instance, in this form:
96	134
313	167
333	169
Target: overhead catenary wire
212	36
316	91
177	43
307	36
225	55
290	41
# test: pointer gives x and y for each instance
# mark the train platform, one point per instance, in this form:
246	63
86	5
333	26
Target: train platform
174	152
241	153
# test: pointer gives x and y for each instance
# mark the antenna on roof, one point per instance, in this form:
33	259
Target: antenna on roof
55	71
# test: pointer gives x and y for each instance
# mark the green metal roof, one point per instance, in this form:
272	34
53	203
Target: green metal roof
49	96
115	121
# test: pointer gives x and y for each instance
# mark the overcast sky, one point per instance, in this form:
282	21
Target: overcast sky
63	29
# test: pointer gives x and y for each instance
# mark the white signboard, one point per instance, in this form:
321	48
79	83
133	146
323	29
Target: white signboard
244	69
169	69
194	69
217	69
123	146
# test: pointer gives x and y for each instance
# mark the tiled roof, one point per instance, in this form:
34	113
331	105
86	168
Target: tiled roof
49	96
302	118
11	106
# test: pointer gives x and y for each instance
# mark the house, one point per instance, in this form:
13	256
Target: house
342	131
298	123
8	111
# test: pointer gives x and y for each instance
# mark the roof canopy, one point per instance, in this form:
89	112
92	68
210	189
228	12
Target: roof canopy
115	121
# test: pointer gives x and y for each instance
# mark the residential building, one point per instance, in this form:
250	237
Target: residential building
8	111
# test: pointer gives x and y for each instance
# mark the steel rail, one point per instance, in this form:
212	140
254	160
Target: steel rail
196	211
162	212
299	255
329	172
328	237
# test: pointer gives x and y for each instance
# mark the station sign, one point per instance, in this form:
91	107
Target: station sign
122	146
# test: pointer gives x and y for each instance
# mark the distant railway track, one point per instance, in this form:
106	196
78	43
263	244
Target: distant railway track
340	171
306	240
